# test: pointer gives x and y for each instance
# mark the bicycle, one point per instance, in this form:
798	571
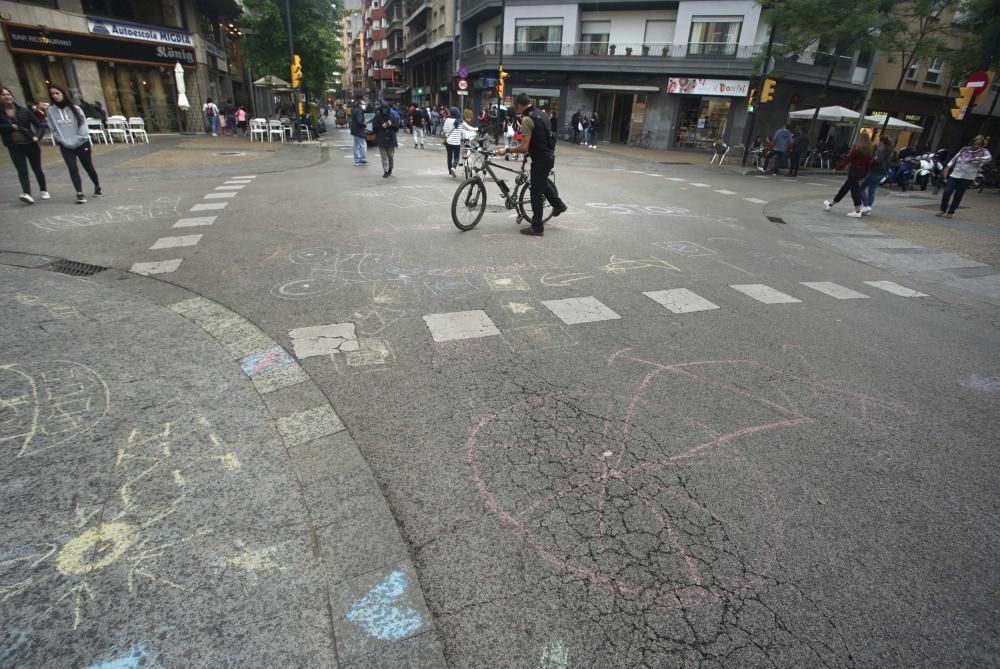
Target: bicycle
644	139
469	203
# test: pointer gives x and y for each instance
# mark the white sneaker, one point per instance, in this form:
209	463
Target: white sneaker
854	214
27	199
865	209
45	195
827	205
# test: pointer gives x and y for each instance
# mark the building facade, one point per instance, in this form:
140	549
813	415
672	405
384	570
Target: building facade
123	54
384	79
679	71
429	55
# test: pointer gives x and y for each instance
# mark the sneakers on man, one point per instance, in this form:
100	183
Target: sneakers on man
531	232
451	171
865	209
558	210
44	195
27	199
97	192
854	214
80	198
827	205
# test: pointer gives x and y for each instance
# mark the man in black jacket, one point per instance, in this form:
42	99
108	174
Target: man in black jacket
539	143
360	132
386	125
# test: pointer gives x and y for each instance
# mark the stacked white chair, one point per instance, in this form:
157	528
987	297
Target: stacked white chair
95	128
117	125
258	126
137	127
275	128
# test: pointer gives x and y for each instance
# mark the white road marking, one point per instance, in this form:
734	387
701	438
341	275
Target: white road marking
574	310
654	175
217	196
765	294
241	187
324	339
681	300
209	206
460	325
813	183
726	192
160	267
636	172
697	185
755	200
895	288
173	242
834	290
194	222
246	176
675	179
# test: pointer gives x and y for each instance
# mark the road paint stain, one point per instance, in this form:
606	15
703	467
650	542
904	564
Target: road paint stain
555	656
378	614
985	384
518	307
264	361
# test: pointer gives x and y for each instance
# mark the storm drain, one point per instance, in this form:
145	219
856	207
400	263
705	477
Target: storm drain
74	268
775	219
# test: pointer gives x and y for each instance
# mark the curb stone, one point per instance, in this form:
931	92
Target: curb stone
376	610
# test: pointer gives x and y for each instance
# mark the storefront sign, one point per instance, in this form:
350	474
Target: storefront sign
727	87
138	31
26	39
914	118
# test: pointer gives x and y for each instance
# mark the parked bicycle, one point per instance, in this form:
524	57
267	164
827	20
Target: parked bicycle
643	139
469	203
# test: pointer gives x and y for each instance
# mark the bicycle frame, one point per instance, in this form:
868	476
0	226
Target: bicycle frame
508	193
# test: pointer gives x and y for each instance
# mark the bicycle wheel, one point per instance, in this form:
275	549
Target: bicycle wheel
524	204
469	204
646	140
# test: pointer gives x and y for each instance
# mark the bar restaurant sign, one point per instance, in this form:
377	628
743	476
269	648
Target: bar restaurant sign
29	39
735	88
138	31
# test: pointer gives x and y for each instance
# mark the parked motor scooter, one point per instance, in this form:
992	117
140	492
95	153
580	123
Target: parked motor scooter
924	171
902	173
937	175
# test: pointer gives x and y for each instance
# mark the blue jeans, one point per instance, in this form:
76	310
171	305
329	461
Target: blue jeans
213	124
869	186
360	150
954	187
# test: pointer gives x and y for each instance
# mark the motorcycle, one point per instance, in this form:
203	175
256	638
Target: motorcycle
940	159
902	173
924	171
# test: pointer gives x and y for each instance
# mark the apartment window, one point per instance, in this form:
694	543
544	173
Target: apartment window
538	36
714	35
933	75
595	36
911	74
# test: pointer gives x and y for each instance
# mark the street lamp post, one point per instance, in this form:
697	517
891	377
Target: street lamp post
291	62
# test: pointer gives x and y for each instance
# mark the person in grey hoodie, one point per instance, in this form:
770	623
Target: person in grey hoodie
69	128
782	138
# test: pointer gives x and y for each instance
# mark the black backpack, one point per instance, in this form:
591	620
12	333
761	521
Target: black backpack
541	120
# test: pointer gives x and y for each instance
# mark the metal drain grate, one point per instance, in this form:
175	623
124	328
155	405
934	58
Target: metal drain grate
74	268
775	219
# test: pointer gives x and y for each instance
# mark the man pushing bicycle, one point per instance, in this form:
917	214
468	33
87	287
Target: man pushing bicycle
540	144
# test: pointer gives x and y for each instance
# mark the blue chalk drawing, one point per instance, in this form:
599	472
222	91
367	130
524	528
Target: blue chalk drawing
263	361
136	657
376	614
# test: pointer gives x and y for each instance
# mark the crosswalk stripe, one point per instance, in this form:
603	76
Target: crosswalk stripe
765	294
194	222
834	290
895	288
675	179
574	310
245	176
460	325
173	242
681	300
159	267
231	187
726	192
697	185
755	200
208	206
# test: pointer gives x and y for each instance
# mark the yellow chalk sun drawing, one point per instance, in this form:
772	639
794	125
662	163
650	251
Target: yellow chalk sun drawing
95	548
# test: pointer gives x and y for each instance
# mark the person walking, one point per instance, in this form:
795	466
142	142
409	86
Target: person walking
454	131
418	124
21	134
961	172
229	111
782	138
554	123
359	131
577	127
69	128
857	161
539	143
386	125
241	119
211	112
798	147
596	126
881	159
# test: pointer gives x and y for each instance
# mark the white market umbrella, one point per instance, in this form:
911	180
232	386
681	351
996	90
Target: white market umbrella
833	114
182	98
272	82
894	123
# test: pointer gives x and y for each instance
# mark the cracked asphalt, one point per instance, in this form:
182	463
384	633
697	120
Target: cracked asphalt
807	483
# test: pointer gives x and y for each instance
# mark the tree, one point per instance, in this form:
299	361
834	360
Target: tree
813	25
979	22
314	32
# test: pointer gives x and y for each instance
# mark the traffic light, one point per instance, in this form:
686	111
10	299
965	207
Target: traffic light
962	102
767	94
296	71
501	82
752	101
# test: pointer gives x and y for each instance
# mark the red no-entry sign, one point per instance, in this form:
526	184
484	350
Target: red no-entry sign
980	81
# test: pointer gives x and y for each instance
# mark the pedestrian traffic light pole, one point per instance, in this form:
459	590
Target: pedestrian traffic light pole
761	80
291	58
500	72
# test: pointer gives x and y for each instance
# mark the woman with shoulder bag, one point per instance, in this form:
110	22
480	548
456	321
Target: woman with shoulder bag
69	127
857	162
454	131
961	173
21	135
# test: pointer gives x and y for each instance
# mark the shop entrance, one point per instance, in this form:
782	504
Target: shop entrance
146	91
702	120
616	111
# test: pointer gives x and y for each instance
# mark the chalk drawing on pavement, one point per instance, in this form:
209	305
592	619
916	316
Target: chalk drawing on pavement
518	307
622	265
137	656
538	336
55	310
686	248
380	614
161	206
564	279
505	282
252	562
265	361
46	404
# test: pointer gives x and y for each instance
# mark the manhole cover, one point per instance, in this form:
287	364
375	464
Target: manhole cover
75	268
231	153
775	219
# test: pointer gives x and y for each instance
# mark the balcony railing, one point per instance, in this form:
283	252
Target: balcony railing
703	51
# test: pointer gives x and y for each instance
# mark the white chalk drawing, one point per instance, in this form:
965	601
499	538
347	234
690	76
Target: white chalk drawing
251	562
622	265
55	310
686	248
500	283
564	279
518	307
46	404
628	209
373	319
160	207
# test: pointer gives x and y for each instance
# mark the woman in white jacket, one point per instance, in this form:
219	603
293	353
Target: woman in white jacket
69	128
455	130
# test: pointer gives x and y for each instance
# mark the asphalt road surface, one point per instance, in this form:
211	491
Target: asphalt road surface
671	432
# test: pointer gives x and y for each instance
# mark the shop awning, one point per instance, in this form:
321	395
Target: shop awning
877	121
834	114
620	87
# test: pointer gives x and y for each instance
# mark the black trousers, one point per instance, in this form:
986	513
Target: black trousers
542	189
779	161
388	153
85	156
852	184
454	155
22	155
793	163
954	189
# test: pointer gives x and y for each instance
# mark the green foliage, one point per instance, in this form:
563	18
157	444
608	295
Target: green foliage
979	21
839	28
314	32
919	30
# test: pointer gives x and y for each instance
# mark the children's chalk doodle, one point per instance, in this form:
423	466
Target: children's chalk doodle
379	614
